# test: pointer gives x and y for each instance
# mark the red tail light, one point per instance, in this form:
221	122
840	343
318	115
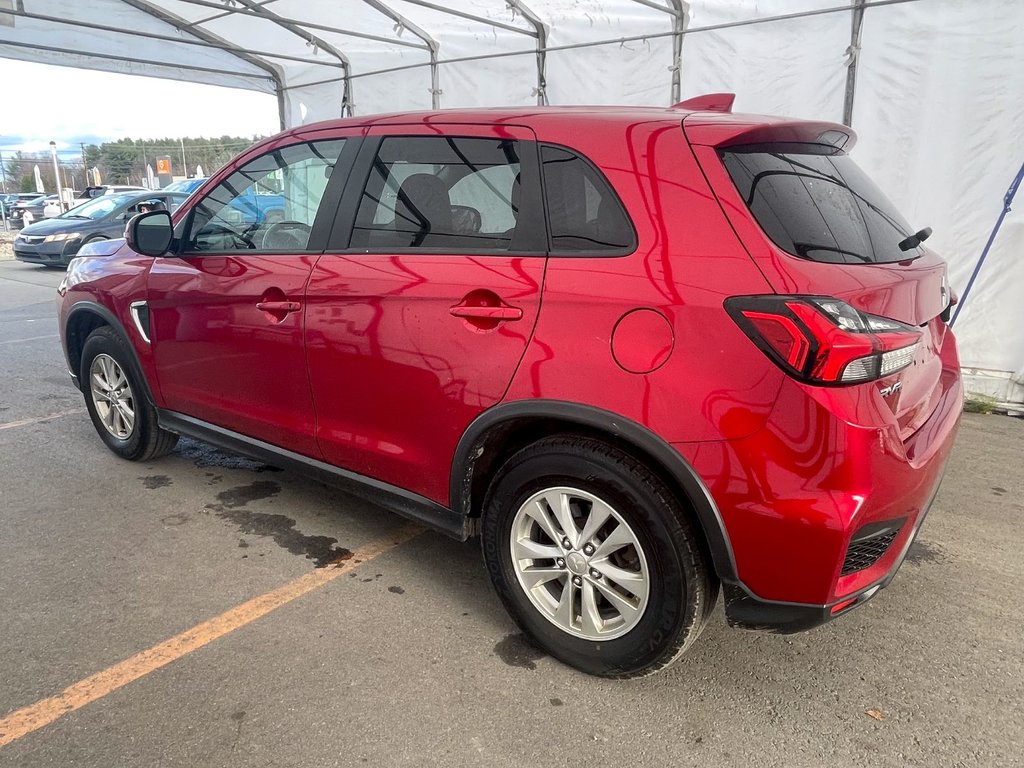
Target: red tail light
821	340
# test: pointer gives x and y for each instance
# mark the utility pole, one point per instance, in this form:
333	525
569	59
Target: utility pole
85	167
145	162
3	172
184	165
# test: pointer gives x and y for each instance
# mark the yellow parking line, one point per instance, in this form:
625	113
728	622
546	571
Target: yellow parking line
35	716
39	419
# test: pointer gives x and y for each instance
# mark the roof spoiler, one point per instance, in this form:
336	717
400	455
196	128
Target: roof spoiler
709	102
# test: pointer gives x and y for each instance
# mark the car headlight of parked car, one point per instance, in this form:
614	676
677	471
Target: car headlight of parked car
62	236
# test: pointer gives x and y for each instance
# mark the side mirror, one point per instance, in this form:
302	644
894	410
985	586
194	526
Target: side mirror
150	233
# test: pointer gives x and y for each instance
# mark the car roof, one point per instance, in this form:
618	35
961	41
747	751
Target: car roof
709	116
528	116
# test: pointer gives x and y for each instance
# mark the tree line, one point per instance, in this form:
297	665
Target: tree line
123	161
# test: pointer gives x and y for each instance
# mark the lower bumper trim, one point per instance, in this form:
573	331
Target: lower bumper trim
745	610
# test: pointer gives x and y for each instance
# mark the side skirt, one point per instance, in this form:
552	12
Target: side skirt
392	498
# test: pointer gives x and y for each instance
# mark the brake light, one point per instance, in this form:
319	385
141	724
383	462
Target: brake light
821	340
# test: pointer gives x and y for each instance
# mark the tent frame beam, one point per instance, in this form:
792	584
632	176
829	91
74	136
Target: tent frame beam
677	10
311	39
306	24
541	30
172	19
432	45
199	43
134	60
473	17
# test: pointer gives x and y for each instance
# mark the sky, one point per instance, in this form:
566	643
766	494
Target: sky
69	106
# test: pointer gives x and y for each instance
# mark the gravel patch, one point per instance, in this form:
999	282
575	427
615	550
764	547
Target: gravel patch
7	244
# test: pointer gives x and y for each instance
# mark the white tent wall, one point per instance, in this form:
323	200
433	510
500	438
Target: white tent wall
793	67
937	105
629	72
939	112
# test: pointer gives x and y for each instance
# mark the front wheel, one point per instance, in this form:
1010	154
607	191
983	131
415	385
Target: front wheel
114	396
595	558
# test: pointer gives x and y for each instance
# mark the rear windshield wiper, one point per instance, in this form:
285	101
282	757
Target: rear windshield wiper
915	239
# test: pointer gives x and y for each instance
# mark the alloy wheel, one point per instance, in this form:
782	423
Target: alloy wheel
580	563
112	396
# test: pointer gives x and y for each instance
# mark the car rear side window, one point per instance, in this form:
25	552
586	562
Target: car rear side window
440	193
815	203
584	214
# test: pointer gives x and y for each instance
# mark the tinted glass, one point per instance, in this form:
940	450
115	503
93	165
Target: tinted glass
267	205
440	193
818	206
584	213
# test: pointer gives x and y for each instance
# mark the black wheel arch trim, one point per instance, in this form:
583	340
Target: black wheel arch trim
112	320
671	461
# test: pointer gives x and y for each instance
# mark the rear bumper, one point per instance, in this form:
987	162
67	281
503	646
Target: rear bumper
747	611
807	499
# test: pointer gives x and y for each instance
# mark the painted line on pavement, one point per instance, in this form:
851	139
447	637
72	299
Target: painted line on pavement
28	719
39	419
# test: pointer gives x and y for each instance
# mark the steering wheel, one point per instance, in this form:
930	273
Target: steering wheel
234	240
286	236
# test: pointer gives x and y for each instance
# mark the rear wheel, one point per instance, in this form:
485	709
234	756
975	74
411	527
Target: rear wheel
595	558
115	398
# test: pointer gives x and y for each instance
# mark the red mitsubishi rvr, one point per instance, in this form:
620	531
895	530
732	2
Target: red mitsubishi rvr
641	352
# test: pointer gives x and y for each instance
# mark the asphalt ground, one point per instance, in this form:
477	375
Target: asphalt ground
172	614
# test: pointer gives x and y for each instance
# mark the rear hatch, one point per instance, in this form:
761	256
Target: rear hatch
816	225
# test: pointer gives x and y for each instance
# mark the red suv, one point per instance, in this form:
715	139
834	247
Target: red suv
641	352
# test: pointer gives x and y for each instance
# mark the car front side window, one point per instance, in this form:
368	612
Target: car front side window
267	205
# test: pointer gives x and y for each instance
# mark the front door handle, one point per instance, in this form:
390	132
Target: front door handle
487	313
278	306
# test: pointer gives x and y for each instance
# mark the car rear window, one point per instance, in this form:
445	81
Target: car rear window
815	203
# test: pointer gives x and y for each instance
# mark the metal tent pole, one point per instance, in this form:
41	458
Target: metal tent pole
432	46
1007	202
853	52
678	13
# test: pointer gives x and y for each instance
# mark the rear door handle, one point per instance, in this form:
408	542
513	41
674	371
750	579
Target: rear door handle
487	313
278	306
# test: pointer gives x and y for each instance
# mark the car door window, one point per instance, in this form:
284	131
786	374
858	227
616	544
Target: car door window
445	193
584	215
267	205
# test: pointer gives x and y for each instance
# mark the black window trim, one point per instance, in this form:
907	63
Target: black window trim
322	223
608	253
532	243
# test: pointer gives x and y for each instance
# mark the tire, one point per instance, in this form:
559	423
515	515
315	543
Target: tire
671	588
140	440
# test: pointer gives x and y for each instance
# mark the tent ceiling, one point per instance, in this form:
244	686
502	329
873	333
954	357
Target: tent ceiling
325	58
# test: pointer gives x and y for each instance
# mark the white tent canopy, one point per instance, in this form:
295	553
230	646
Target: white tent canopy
932	87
